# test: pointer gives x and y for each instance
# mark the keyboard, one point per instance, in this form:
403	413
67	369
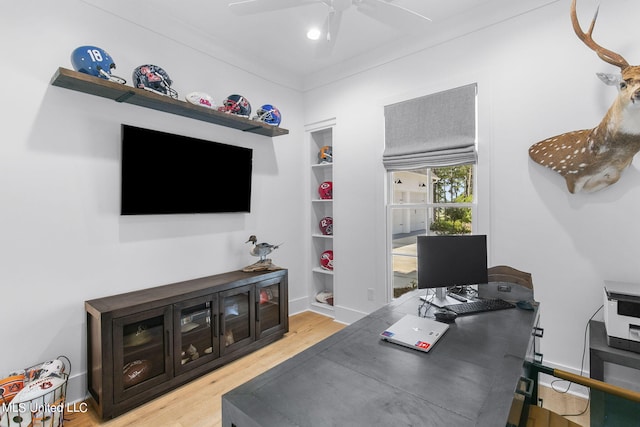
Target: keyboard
479	306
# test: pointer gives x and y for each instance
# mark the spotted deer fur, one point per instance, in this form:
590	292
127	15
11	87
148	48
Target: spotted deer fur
592	159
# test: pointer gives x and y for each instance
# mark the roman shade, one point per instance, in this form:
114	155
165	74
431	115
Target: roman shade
436	130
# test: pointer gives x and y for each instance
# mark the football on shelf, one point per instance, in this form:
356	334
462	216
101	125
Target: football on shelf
200	98
325	297
135	372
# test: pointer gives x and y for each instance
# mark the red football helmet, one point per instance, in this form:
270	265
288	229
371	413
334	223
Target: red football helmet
326	190
326	260
326	226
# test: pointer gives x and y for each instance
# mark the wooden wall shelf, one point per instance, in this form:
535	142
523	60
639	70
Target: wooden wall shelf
81	82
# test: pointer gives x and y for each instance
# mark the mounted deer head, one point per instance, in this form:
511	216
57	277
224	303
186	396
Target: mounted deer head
593	159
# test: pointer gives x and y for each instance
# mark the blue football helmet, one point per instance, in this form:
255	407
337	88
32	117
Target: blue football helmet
268	114
154	79
236	104
94	61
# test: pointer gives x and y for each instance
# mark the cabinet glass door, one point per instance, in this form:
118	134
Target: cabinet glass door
270	313
142	352
237	318
196	332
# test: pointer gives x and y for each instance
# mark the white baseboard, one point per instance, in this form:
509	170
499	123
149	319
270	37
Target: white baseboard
298	305
347	315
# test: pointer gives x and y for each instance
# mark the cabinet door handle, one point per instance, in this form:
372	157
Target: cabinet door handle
168	344
257	311
215	325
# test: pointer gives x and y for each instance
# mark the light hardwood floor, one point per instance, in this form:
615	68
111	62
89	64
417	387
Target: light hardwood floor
566	404
198	404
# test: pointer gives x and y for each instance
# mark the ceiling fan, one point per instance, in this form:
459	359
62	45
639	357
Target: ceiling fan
384	11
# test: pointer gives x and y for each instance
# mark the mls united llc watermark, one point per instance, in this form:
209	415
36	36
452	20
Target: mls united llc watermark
33	407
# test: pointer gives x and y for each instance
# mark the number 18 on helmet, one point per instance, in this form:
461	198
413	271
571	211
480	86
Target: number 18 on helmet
94	61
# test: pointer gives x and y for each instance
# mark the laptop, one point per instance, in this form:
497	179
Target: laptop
415	332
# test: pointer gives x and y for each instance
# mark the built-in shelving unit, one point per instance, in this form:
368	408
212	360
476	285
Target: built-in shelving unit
321	279
85	83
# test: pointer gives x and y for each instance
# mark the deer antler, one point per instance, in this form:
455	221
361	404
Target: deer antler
606	55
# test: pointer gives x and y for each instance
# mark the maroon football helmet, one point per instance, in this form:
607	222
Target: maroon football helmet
326	226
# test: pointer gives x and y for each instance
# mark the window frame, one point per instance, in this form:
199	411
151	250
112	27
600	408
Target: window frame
427	205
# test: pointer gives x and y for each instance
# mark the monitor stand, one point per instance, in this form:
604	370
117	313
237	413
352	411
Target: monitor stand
441	299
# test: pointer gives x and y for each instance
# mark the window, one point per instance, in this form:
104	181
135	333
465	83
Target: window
424	202
430	156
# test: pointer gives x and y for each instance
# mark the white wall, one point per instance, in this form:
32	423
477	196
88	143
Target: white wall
535	80
63	240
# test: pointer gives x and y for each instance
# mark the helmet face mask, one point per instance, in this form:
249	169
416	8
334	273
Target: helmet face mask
154	79
96	62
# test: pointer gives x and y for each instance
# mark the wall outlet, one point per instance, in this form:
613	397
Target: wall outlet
370	294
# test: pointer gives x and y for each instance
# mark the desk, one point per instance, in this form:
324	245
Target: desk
353	378
606	409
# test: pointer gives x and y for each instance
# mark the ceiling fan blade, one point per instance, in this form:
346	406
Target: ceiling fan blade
390	13
330	31
249	7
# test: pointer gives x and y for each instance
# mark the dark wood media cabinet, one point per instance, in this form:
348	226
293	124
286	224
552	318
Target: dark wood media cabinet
145	343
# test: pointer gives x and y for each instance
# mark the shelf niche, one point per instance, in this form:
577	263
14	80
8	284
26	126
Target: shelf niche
85	83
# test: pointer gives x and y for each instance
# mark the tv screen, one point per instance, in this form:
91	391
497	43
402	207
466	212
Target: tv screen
163	173
445	261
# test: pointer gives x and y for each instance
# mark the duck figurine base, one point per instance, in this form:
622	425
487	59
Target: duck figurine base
262	265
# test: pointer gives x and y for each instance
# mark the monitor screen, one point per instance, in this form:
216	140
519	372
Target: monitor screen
445	261
163	173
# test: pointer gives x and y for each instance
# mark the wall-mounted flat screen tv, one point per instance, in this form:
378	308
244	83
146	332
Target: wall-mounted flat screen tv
163	173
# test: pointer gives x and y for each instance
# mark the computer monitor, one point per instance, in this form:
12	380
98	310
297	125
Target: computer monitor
446	261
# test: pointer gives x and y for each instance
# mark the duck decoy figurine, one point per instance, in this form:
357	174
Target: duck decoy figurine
261	250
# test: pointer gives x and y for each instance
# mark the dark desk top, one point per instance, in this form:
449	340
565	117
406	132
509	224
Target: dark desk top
354	378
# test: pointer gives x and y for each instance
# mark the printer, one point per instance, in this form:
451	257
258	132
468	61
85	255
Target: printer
622	315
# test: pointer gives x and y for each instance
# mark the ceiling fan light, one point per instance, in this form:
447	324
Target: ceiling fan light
313	34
